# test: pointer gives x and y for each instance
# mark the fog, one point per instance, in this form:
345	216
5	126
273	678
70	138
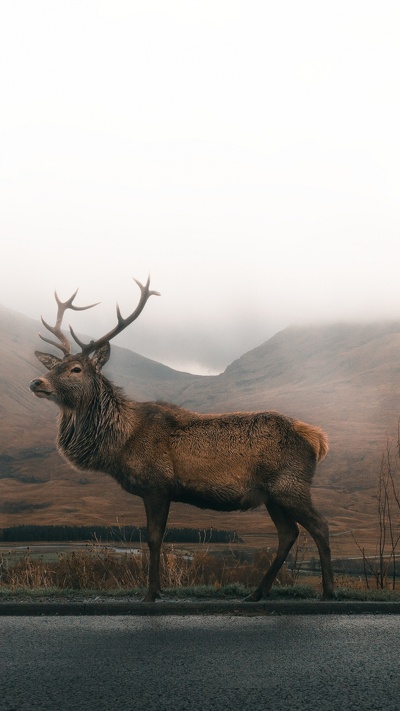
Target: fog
246	155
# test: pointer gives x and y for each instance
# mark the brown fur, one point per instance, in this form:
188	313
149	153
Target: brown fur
164	453
315	436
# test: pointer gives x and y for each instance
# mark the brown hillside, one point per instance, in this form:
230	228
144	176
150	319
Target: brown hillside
344	377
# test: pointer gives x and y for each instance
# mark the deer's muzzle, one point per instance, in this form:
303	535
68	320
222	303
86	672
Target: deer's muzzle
40	387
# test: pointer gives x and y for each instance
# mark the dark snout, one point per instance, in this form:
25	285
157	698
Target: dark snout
40	387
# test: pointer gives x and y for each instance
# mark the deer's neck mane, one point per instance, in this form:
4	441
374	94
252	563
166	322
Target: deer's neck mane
90	436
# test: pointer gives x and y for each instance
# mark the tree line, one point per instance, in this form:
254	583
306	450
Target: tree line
135	534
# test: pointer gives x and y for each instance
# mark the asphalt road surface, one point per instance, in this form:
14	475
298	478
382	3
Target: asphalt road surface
122	663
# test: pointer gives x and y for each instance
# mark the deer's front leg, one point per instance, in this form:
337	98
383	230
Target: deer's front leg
157	510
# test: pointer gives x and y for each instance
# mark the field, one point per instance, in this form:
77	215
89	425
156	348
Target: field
219	568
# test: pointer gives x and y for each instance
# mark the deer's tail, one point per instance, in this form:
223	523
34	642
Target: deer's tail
315	436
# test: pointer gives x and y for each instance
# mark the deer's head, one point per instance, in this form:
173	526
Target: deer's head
74	379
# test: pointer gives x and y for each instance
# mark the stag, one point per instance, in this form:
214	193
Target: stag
164	453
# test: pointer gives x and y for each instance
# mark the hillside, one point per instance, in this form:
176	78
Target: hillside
344	377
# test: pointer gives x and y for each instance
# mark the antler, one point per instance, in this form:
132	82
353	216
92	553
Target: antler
64	344
88	348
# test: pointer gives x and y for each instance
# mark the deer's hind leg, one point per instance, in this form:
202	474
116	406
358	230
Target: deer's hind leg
317	527
302	510
287	535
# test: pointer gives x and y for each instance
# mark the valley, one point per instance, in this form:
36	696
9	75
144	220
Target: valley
344	377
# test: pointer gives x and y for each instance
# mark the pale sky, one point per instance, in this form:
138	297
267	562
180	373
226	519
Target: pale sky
245	154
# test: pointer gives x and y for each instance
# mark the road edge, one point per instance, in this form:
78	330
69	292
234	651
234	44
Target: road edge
200	607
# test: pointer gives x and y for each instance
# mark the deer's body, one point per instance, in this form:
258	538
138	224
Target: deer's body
223	462
164	453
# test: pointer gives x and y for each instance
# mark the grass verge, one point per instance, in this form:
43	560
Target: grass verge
99	572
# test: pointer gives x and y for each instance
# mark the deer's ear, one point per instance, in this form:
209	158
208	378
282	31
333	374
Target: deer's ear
101	356
49	361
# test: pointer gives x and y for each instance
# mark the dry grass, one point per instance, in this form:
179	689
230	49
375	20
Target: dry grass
99	567
99	570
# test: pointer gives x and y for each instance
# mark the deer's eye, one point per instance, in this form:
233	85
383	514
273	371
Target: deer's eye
76	369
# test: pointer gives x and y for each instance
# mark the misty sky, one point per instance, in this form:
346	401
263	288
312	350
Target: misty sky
245	154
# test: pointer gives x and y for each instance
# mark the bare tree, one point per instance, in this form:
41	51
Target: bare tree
382	567
165	453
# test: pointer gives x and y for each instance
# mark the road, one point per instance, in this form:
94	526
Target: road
172	663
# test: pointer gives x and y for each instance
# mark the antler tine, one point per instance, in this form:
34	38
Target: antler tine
69	305
146	292
64	345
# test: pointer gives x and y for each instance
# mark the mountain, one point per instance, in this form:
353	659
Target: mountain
344	377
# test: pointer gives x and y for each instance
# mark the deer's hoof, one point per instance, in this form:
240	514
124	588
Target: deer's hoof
152	596
254	597
330	595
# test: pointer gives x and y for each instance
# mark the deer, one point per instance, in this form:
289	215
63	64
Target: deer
164	453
